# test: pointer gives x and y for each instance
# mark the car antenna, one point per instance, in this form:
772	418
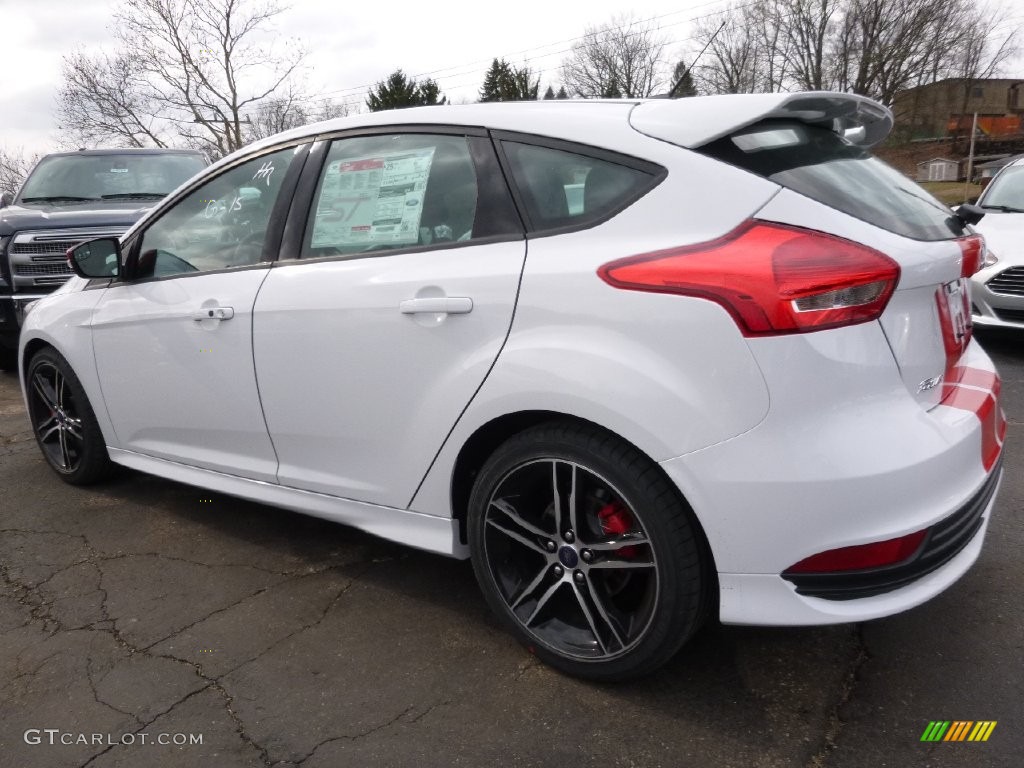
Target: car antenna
672	91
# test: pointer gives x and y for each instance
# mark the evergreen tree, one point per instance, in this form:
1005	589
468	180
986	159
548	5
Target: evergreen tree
682	79
401	91
561	93
429	94
549	93
503	82
495	81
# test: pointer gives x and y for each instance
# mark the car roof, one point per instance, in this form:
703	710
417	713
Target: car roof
686	122
544	116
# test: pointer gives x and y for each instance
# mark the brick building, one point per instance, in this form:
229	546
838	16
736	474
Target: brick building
947	107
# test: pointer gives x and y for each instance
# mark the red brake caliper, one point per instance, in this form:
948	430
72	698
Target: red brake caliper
615	521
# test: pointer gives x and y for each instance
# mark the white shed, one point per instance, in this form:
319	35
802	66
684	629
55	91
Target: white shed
938	169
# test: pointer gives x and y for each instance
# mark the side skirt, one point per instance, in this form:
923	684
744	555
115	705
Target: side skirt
433	534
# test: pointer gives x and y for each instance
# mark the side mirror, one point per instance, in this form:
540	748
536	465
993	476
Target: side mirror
96	258
969	214
5	199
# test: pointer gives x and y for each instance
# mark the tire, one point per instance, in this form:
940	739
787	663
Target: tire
63	420
587	552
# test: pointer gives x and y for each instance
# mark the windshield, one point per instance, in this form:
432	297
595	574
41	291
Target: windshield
1006	190
94	177
825	167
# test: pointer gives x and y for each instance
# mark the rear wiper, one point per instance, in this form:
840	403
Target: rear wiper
1004	208
135	196
57	199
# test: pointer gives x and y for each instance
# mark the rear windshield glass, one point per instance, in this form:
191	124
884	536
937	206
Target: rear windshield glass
827	168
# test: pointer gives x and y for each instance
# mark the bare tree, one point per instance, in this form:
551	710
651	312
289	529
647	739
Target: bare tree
623	57
105	101
14	167
731	63
808	26
198	66
872	47
290	110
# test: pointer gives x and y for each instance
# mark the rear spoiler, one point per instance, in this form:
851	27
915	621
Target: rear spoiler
698	120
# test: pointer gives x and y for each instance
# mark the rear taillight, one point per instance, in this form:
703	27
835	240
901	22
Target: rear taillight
772	278
973	249
864	556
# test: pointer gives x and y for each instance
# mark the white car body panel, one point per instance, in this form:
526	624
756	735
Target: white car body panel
359	396
165	375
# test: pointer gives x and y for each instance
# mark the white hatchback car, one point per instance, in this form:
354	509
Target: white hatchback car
643	361
998	288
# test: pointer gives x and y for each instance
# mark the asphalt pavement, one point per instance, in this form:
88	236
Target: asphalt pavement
143	611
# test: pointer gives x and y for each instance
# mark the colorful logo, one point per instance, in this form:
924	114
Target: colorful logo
958	730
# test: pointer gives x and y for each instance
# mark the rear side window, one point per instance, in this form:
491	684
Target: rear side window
560	188
825	167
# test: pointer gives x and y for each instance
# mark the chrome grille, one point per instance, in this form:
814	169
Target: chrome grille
45	247
37	257
1009	282
42	269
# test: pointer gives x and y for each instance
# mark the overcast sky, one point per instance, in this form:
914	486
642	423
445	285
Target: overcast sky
352	45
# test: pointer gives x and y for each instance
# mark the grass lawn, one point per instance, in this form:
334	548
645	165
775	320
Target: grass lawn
952	192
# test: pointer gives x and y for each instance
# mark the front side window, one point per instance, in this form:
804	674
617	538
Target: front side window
389	192
561	188
221	224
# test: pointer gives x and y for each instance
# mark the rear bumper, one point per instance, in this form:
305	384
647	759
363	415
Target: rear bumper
763	599
943	542
846	458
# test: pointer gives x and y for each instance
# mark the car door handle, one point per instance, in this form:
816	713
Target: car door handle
452	305
214	313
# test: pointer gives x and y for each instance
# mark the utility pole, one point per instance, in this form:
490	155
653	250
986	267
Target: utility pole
970	157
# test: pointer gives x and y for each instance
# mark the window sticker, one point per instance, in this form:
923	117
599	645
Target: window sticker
375	200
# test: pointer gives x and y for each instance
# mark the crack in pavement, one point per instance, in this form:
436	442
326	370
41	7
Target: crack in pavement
148	723
846	689
102	702
368	732
40	612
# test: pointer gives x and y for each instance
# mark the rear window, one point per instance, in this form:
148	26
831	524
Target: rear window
827	168
560	188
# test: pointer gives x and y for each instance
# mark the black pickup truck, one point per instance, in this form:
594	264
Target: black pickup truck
67	198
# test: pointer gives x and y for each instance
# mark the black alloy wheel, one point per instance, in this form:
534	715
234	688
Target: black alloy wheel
63	421
583	546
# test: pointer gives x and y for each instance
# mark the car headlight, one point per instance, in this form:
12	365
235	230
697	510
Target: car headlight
30	306
990	258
